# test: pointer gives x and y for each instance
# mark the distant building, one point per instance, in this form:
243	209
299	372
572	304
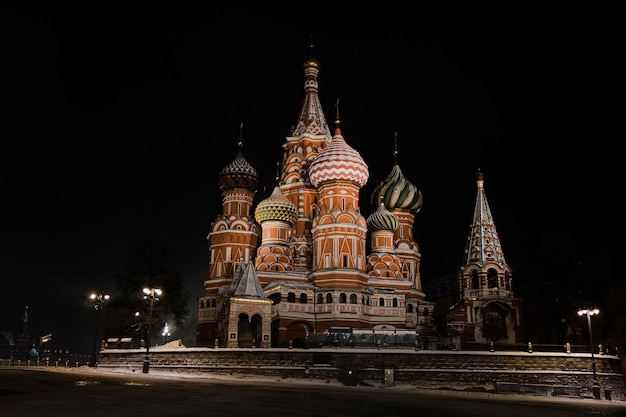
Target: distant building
7	345
51	350
45	349
486	312
20	346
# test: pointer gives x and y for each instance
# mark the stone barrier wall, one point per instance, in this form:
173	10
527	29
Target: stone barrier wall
540	373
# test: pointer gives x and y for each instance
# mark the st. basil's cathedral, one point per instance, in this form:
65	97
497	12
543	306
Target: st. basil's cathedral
298	263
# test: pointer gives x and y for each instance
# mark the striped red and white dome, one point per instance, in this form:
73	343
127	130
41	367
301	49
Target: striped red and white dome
338	161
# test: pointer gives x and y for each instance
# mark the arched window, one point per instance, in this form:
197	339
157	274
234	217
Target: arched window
474	279
352	298
201	303
381	302
329	298
303	298
409	308
275	298
291	297
426	312
342	298
320	299
395	302
492	278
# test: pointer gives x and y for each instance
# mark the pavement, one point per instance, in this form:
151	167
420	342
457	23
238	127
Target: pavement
275	380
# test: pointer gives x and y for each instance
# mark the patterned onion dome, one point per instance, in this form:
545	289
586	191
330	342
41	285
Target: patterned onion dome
382	219
338	161
276	207
239	174
396	192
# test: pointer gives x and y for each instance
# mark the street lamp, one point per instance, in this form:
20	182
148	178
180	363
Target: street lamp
166	333
152	295
589	313
98	300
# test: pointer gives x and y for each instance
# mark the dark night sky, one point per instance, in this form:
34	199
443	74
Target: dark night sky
116	124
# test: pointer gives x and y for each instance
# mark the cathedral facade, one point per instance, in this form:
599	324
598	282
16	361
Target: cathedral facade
299	262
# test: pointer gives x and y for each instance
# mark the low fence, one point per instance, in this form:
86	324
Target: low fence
56	363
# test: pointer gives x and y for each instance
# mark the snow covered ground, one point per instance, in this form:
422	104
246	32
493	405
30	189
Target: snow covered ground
248	379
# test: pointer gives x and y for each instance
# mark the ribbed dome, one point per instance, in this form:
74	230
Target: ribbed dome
239	174
397	192
382	219
276	207
338	161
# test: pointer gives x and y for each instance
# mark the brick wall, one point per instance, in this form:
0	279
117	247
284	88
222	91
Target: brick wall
541	373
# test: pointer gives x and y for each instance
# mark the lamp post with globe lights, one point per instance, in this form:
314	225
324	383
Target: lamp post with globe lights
151	295
589	313
166	333
98	300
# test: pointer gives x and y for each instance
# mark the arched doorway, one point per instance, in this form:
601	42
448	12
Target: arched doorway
244	332
256	328
250	331
298	333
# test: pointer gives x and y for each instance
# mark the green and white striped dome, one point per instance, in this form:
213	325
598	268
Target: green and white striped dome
382	219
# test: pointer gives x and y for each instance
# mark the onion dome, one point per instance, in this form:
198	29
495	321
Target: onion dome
396	192
276	207
382	219
239	174
311	62
338	161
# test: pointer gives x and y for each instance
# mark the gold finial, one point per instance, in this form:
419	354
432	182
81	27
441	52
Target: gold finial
380	196
277	171
337	122
395	148
311	61
240	143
